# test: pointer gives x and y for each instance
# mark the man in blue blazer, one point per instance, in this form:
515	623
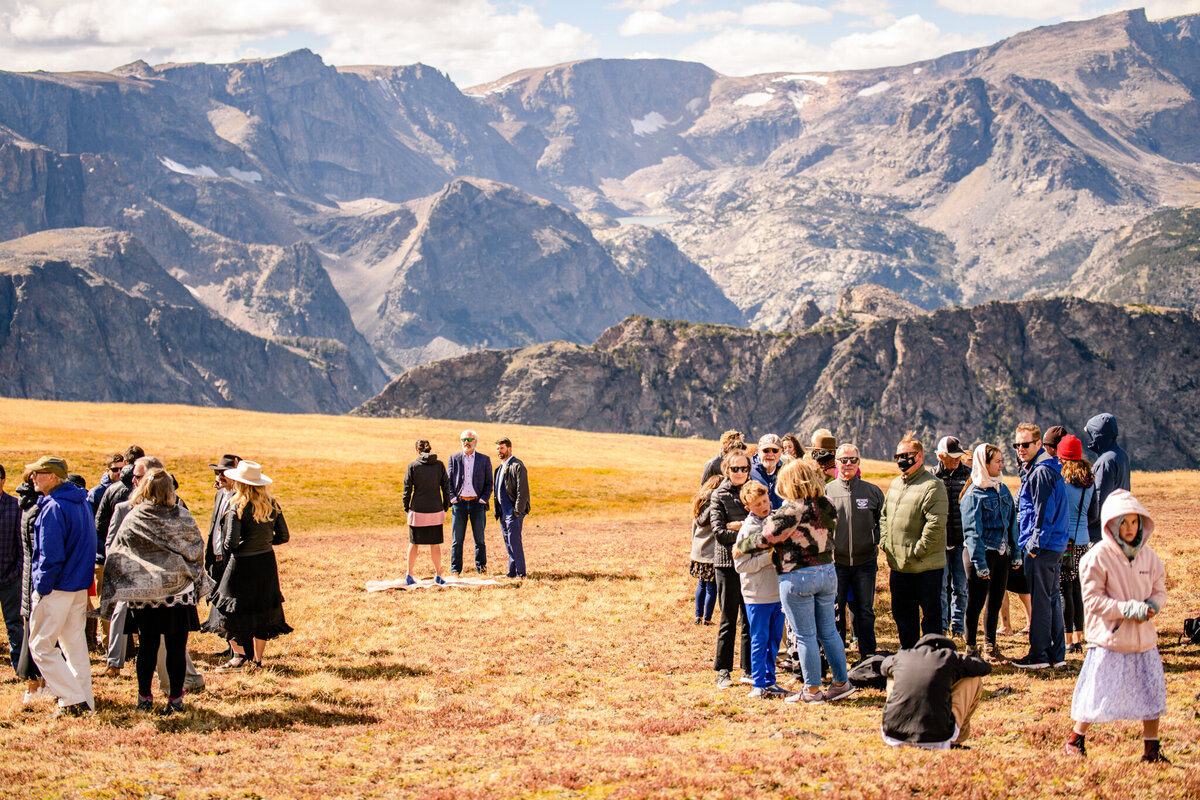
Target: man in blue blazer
470	490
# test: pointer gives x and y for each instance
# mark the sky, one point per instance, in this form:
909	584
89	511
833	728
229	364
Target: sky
475	41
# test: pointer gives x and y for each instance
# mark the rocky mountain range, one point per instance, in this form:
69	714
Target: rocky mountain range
372	218
974	372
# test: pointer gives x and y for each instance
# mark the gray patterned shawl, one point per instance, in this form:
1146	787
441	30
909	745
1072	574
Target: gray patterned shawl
157	551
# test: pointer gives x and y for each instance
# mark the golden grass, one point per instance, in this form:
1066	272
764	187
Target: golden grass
586	680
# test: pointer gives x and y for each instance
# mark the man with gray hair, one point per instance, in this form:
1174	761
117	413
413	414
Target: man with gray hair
470	489
859	505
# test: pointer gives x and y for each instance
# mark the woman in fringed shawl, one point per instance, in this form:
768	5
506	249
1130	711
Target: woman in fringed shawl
156	564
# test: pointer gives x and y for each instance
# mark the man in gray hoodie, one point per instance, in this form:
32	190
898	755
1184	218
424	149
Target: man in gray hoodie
856	546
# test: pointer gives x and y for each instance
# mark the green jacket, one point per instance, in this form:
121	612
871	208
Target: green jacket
913	525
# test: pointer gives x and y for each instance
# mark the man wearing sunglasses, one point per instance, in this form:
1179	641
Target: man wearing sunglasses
1043	516
470	490
764	467
859	505
111	473
913	535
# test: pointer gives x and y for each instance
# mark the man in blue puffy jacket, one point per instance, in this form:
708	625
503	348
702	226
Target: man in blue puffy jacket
1043	516
64	555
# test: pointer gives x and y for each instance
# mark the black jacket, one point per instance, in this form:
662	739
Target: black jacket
954	480
117	492
243	536
725	506
426	485
515	485
918	709
711	467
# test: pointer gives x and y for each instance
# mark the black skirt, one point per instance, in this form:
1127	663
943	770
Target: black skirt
162	620
426	534
248	602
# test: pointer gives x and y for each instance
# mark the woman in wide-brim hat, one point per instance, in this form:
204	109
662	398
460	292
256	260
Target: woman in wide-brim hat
247	607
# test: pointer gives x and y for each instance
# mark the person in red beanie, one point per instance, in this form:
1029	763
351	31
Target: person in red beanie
1083	528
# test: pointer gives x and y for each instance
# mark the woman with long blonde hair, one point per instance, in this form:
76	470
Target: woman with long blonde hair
247	607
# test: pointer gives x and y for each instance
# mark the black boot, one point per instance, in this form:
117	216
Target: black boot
1153	754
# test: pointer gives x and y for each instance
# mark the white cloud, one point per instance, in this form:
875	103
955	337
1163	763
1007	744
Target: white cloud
741	51
472	40
878	12
1017	9
641	23
783	14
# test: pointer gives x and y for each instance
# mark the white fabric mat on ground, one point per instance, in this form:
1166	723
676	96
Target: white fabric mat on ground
428	583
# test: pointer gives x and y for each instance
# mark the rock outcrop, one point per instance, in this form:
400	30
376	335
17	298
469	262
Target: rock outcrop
109	324
972	372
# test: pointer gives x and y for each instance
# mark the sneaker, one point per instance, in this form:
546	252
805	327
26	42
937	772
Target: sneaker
697	622
756	693
439	580
772	692
73	710
974	652
145	704
193	685
175	706
1028	662
807	697
481	570
746	679
724	681
409	580
33	697
838	691
1060	664
993	653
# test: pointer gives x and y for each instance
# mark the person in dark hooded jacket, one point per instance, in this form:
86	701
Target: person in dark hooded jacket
1111	468
932	694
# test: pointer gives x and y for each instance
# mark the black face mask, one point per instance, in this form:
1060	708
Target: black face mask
905	462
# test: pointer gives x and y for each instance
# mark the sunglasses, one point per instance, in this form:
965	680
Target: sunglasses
899	456
1023	445
114	469
468	440
769	450
739	469
137	477
848	460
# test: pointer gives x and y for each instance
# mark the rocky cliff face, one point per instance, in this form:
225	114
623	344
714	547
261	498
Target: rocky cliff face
971	372
109	324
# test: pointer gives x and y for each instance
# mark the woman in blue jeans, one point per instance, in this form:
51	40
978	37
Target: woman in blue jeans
801	534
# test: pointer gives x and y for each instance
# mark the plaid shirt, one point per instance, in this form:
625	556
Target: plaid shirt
10	539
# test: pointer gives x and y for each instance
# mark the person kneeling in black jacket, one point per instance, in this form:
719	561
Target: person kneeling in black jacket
932	693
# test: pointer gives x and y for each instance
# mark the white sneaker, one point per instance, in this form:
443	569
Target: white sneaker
33	697
756	692
746	679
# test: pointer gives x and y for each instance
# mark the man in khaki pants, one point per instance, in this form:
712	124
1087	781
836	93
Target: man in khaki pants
932	693
64	557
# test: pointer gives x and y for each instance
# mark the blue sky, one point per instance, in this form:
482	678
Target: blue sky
480	40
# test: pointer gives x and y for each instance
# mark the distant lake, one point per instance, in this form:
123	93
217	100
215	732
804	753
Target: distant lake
648	221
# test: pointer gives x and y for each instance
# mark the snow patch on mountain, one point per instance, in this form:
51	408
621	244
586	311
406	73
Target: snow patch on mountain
201	171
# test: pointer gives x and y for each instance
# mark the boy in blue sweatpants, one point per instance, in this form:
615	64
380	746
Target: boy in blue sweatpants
760	590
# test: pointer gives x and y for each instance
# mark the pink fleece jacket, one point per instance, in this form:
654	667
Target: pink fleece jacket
1109	578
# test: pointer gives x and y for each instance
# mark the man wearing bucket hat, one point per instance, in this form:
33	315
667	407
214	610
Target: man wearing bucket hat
64	557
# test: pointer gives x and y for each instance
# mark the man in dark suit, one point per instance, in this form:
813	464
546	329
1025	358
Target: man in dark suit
512	504
215	558
470	491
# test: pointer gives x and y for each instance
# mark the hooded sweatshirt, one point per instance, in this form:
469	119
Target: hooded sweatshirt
1110	578
756	572
64	545
1112	464
1042	506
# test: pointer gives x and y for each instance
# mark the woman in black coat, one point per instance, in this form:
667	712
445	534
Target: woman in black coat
426	499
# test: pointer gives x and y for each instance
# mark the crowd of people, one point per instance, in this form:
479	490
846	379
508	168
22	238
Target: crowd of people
783	535
132	541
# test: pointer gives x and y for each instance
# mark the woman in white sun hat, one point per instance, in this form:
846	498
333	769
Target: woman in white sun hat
247	607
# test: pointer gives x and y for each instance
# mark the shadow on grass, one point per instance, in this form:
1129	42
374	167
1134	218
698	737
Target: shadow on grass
572	575
205	720
362	672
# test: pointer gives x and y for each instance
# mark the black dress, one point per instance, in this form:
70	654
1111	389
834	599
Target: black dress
247	602
426	491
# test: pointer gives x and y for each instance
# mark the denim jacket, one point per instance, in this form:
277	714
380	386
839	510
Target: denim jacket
989	520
